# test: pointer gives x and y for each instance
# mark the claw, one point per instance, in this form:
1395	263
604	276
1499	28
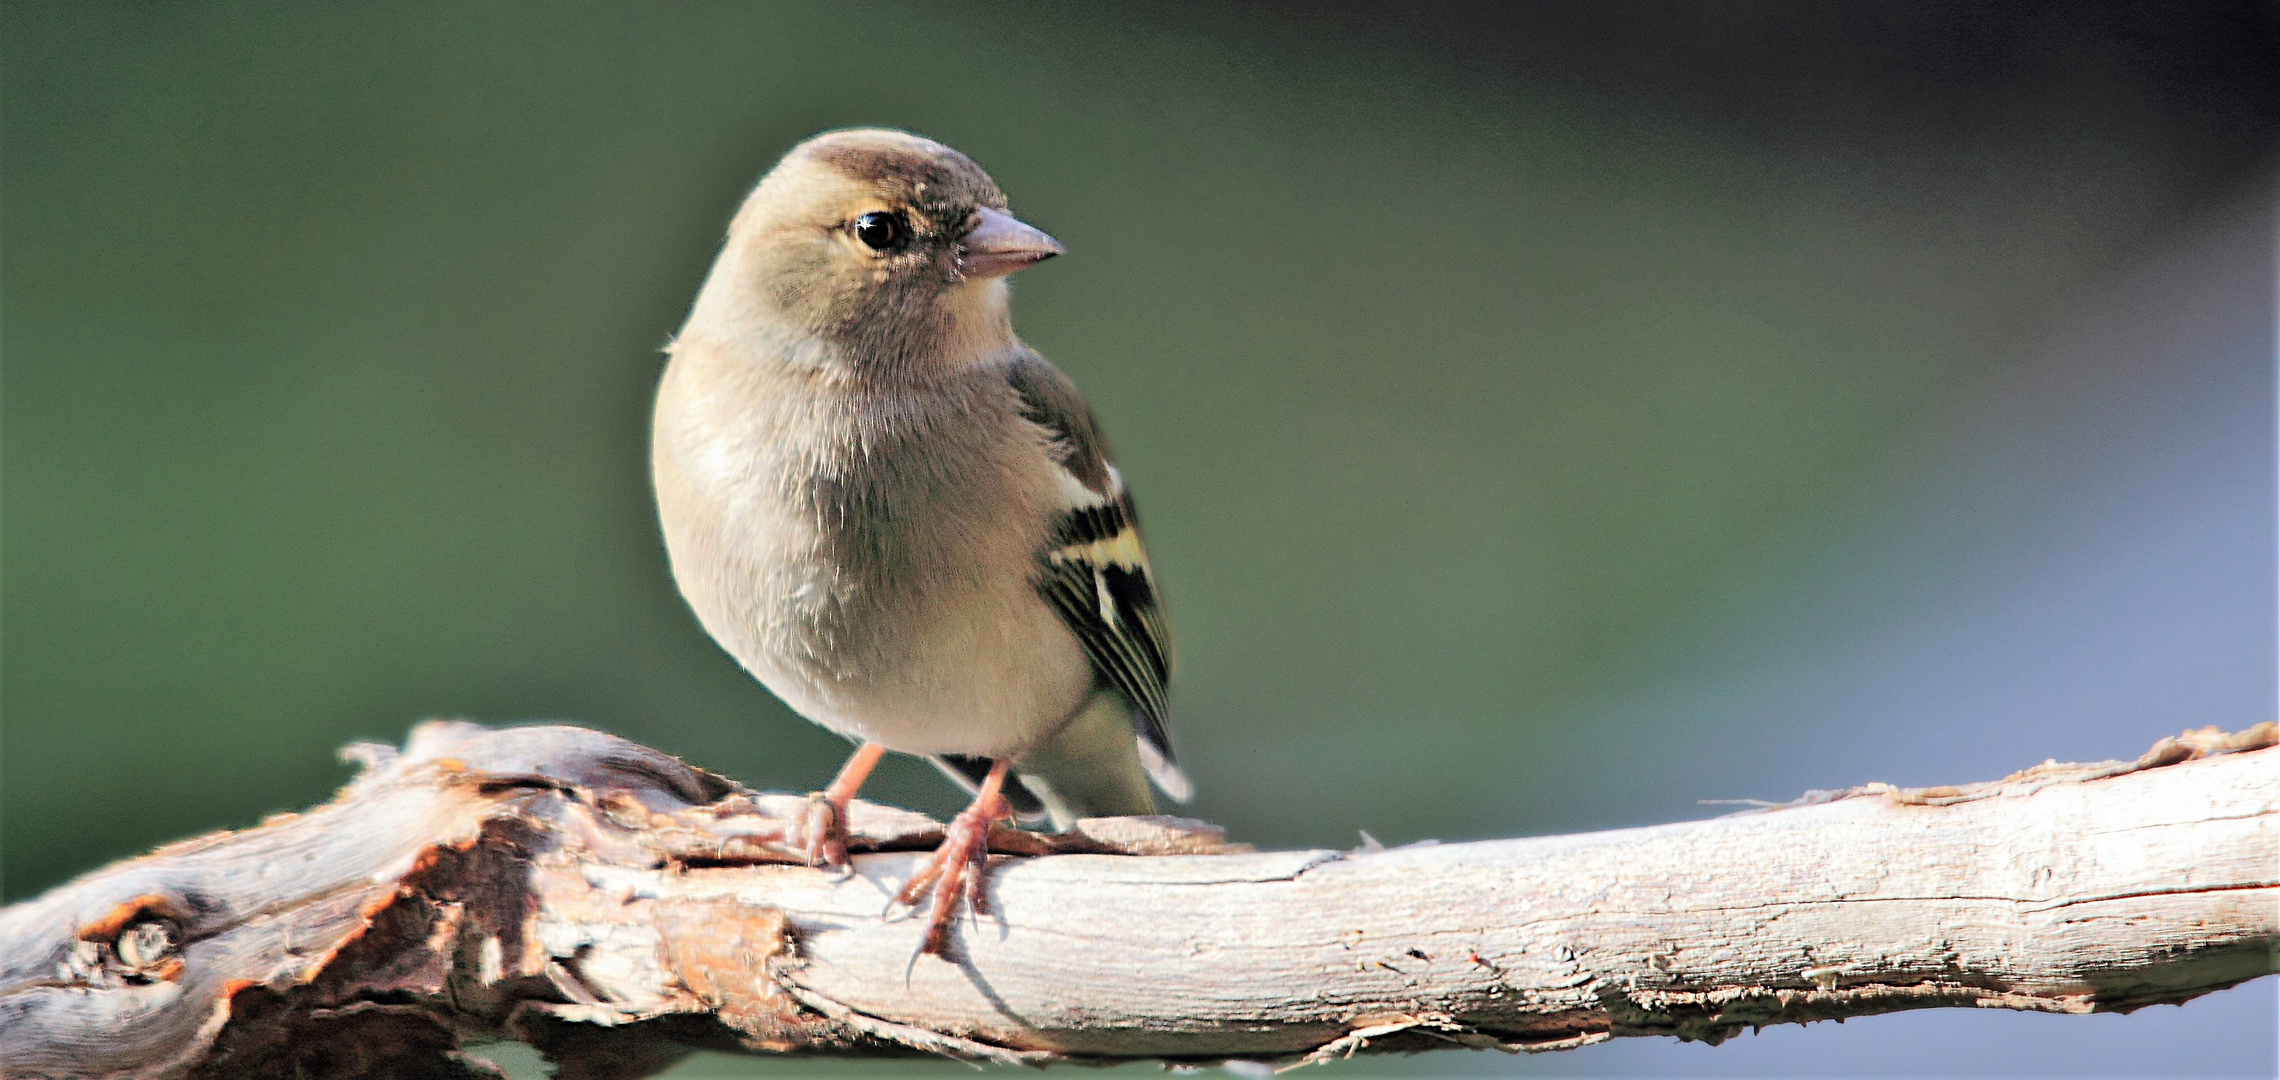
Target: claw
919	882
978	898
955	870
823	833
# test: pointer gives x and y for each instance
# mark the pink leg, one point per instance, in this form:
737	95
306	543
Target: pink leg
956	869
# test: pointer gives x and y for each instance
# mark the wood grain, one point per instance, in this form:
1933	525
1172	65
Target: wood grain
619	909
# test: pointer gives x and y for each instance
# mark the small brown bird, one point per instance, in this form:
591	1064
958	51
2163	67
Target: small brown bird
900	518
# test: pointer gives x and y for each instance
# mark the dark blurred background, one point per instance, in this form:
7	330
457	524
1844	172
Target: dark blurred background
1545	417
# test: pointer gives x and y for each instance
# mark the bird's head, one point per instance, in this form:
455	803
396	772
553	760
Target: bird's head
891	247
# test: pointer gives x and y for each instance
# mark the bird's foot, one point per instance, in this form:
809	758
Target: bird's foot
822	832
955	870
822	829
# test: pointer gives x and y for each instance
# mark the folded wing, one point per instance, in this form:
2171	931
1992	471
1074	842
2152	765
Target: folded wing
1095	572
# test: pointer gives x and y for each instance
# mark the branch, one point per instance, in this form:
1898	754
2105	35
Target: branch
619	909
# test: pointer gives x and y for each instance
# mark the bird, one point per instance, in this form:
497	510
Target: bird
901	519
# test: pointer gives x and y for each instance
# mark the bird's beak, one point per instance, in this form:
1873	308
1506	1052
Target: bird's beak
997	244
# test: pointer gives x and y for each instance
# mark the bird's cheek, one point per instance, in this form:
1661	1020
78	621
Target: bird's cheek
943	264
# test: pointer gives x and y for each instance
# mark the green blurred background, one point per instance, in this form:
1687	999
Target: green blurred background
1545	417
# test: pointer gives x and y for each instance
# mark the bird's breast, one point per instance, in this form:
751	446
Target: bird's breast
874	562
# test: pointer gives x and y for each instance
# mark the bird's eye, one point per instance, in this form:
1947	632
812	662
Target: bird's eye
881	231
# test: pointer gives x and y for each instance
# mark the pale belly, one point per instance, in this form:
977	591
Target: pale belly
937	642
986	673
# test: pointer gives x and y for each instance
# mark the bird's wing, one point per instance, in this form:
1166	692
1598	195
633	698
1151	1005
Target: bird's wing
1095	572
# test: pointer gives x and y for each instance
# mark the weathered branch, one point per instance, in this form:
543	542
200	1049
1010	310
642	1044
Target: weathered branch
618	909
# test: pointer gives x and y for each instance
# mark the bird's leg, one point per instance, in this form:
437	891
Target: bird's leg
824	828
955	870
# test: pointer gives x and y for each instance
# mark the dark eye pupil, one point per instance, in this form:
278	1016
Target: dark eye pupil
880	231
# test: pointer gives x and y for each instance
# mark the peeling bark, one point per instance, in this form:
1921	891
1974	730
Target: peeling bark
619	909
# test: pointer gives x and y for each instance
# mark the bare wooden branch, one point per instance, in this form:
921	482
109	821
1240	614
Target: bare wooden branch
619	909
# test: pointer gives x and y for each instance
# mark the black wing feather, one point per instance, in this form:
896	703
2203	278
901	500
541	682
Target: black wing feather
1094	570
